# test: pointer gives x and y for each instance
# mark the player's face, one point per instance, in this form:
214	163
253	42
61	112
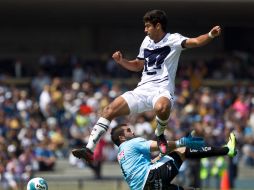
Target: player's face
128	133
150	30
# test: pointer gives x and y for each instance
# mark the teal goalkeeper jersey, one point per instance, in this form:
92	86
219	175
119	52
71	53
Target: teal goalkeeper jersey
135	160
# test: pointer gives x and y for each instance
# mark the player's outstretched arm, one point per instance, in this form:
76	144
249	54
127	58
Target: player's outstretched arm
131	65
203	39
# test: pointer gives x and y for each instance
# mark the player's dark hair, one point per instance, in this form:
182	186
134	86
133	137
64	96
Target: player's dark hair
156	16
116	132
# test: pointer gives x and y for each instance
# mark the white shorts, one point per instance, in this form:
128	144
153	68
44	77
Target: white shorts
143	98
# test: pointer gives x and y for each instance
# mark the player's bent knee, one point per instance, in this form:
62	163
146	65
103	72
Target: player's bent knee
108	112
162	108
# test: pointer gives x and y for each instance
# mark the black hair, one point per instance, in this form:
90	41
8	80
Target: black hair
116	132
156	16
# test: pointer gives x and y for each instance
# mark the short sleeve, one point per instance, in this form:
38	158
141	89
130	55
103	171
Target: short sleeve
143	146
142	47
176	40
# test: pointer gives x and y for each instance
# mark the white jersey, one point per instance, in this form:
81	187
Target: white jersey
161	61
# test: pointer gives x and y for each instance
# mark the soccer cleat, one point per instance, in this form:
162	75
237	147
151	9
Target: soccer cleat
231	145
162	144
83	153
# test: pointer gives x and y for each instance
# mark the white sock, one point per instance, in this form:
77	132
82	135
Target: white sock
161	125
98	130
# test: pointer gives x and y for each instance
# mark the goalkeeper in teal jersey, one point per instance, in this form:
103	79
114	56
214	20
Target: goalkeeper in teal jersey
140	172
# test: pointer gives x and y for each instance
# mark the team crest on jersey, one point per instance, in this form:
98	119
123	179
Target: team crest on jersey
120	155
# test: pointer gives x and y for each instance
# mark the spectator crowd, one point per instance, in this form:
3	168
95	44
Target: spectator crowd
41	122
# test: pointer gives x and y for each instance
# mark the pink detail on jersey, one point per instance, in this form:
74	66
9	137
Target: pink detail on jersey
120	155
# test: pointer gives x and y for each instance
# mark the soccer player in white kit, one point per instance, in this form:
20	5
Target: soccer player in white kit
158	58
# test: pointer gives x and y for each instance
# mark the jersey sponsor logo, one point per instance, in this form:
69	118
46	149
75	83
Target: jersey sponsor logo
154	59
120	155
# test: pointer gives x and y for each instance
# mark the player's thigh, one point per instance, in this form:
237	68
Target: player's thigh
171	166
118	107
161	177
165	169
